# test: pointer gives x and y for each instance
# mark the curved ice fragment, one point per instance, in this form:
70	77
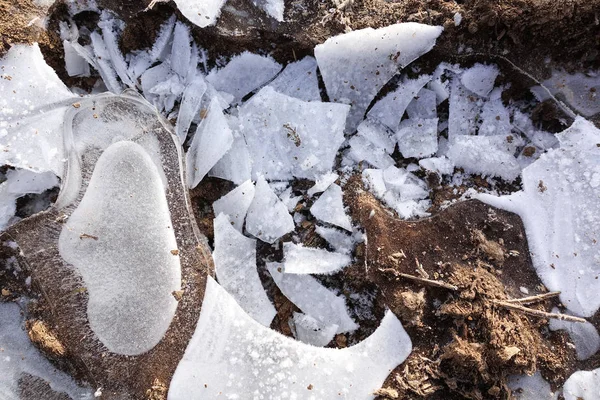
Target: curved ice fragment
233	356
560	208
376	55
130	286
235	265
582	385
480	78
190	104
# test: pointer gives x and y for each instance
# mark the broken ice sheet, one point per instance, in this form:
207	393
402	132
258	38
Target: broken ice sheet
424	105
418	137
377	134
213	138
330	208
480	78
233	356
272	7
339	240
361	149
268	218
243	74
583	334
582	385
322	183
308	330
235	204
299	80
235	165
495	116
33	102
376	55
287	137
202	13
20	356
190	104
235	265
299	259
560	208
465	107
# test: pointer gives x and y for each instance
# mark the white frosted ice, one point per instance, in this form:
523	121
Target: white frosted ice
19	356
361	149
213	138
339	240
190	105
583	385
160	49
533	387
465	108
235	204
299	80
308	330
373	179
120	239
330	208
583	334
181	50
232	356
418	137
377	134
33	101
424	105
299	259
287	137
103	64
75	65
439	165
480	78
376	55
322	183
268	218
390	109
235	266
486	155
202	13
495	116
243	74
235	165
115	57
274	8
313	298
560	208
290	201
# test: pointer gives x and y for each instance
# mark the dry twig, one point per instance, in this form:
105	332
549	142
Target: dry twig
429	282
537	313
534	299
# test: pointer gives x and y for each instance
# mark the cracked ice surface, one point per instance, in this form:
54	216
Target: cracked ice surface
375	55
560	208
130	303
233	356
288	137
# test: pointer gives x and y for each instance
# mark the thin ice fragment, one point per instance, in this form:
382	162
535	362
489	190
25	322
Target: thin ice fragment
330	208
424	105
235	165
308	330
582	385
112	47
465	107
583	334
480	79
202	13
160	48
243	74
322	183
373	179
102	62
439	165
235	265
212	140
312	260
375	55
418	137
235	204
288	137
130	303
560	208
377	134
190	104
532	387
268	218
361	149
272	7
313	298
495	116
181	50
74	63
232	356
290	201
299	80
339	240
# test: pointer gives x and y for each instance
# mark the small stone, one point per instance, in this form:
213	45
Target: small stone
175	252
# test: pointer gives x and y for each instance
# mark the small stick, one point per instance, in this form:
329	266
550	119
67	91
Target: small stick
422	280
537	313
421	270
534	299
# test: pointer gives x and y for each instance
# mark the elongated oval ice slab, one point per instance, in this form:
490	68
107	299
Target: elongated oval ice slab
560	208
120	240
376	55
234	357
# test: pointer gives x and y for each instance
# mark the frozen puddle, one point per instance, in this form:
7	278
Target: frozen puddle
233	356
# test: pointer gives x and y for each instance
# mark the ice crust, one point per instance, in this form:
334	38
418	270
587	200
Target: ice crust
235	265
235	204
583	385
130	303
330	208
268	218
376	55
19	356
480	78
287	137
299	80
418	137
308	330
232	356
299	259
560	208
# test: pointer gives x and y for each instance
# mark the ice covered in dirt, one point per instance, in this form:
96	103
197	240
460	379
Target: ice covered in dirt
235	264
202	13
560	208
330	208
232	356
130	287
313	298
268	218
583	385
33	102
308	330
243	74
18	357
288	137
299	259
583	334
213	138
376	55
299	80
235	204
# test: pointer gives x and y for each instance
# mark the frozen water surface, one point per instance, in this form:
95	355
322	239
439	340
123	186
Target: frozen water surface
235	204
312	260
330	208
235	265
268	218
232	356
